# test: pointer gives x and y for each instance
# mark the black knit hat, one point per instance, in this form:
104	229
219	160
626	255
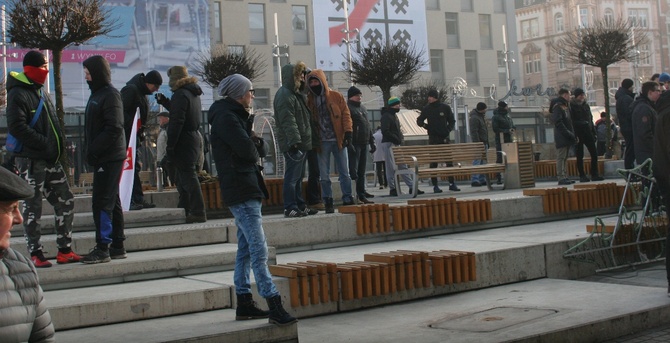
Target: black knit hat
502	104
154	77
627	83
353	91
577	92
433	93
34	58
481	106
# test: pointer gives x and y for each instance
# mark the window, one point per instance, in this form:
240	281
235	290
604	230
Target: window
485	39
530	28
235	49
499	6
299	23
613	84
262	98
216	33
584	17
257	23
537	67
466	6
437	65
609	16
502	69
452	30
558	22
645	54
532	63
639	17
471	69
561	60
432	4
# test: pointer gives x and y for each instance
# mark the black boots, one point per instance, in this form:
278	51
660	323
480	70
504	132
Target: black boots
248	309
329	205
278	315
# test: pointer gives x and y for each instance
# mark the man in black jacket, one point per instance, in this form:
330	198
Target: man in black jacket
392	136
440	123
106	152
564	133
134	97
643	119
39	160
358	150
582	122
184	144
624	98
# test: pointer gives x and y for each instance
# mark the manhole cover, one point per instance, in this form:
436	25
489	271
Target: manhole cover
492	319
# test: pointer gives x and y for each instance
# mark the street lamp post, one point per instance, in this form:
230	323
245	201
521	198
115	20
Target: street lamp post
508	53
348	41
276	52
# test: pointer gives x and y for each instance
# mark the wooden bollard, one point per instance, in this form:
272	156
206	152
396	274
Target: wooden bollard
292	275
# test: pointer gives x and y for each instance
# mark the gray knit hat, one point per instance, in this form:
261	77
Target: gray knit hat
234	86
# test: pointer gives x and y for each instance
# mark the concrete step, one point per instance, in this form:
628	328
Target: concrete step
144	265
202	327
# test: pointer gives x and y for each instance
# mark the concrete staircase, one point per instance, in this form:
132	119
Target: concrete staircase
178	279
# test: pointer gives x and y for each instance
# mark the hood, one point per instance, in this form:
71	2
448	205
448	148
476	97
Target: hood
192	87
140	83
17	79
101	74
621	92
474	112
557	101
321	76
291	76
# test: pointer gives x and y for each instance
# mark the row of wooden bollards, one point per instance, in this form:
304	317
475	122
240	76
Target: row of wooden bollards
547	168
211	193
418	214
314	282
583	197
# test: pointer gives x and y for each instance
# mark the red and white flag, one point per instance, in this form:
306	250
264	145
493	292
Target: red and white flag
128	172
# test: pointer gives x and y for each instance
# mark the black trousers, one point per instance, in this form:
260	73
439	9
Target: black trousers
434	140
579	153
358	159
381	173
190	193
106	204
629	153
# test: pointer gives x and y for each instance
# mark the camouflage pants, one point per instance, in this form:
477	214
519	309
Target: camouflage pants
48	180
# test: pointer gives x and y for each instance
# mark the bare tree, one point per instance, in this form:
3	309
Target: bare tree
386	66
214	66
55	25
416	97
602	44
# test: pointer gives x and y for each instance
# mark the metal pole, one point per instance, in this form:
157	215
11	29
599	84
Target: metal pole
348	41
506	52
583	67
277	54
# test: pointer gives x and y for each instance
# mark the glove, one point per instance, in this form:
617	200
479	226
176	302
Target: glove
373	148
347	139
160	98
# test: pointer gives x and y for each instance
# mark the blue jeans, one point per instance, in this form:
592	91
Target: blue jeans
478	177
252	250
342	167
294	170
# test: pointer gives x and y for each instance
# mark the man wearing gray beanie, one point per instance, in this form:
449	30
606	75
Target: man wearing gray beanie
236	151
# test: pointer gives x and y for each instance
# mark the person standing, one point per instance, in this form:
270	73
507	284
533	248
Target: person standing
624	98
334	132
582	122
503	124
184	143
643	120
134	97
661	169
236	151
39	160
358	150
294	136
479	133
601	133
25	315
392	136
440	123
378	157
564	133
161	148
106	152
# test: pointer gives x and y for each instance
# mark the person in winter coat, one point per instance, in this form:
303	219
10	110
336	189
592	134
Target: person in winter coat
134	97
25	316
332	121
661	167
479	133
362	137
236	151
582	122
39	160
438	119
184	142
643	119
564	133
601	133
378	157
392	136
624	98
503	124
106	152
294	136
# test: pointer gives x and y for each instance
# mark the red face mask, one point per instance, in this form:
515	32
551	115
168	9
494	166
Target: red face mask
36	74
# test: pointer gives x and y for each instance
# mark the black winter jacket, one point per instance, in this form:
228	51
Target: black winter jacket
564	133
236	153
45	140
362	133
582	121
390	124
644	121
502	123
134	96
105	140
440	119
624	98
183	141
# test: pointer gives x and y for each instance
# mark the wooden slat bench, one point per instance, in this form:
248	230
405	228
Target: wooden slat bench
419	157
